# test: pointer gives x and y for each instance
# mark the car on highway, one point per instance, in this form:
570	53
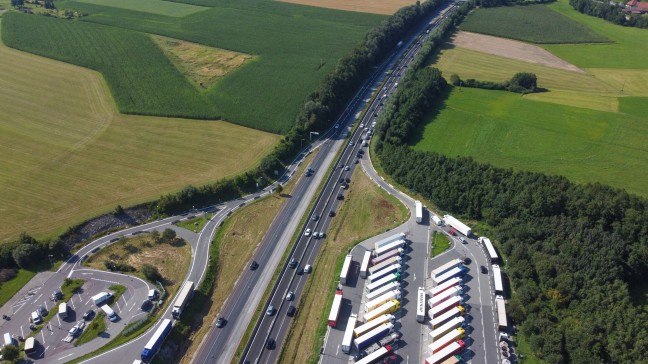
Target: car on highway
300	271
88	315
307	268
270	344
331	213
291	311
483	269
321	234
357	161
290	296
316	217
220	322
307	232
254	265
270	310
347	168
352	143
293	263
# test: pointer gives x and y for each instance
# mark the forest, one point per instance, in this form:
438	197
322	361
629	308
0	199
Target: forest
574	252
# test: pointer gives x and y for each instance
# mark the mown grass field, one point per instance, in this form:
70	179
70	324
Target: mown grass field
67	154
159	7
296	47
531	23
510	131
366	211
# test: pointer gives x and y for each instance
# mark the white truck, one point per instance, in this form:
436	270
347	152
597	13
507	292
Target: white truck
183	297
458	225
112	316
101	298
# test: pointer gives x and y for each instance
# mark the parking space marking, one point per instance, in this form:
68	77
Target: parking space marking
22	333
72	302
59	320
43	335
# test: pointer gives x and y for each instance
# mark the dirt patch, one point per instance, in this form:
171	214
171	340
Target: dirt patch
202	65
511	49
386	7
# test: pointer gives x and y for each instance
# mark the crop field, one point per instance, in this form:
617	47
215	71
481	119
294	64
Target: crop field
68	155
386	7
531	23
510	131
296	47
159	7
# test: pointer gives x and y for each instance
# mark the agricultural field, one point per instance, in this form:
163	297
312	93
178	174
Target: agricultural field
386	7
159	7
68	155
294	46
531	23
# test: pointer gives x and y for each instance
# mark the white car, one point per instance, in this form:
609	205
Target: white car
321	234
307	232
307	268
290	296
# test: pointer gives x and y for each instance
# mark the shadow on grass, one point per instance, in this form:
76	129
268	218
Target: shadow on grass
440	104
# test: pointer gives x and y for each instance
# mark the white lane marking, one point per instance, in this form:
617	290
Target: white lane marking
43	335
41	295
65	356
72	302
59	320
22	333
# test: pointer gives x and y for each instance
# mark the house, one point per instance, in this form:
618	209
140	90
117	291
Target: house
636	7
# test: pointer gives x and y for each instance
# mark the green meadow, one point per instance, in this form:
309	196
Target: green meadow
159	7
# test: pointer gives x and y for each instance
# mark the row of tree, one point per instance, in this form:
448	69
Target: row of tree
574	252
521	82
610	12
27	252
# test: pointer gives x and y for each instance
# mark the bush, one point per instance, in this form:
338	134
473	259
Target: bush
10	352
26	255
151	273
168	235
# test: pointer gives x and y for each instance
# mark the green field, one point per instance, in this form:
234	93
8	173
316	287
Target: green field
531	23
67	154
510	131
159	7
296	46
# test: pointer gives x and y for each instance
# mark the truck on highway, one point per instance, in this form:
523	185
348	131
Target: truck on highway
454	272
444	306
388	255
450	350
347	340
345	268
436	300
381	300
458	225
444	317
112	316
445	267
437	220
382	290
384	263
419	211
101	298
335	309
156	341
365	328
420	305
447	327
452	282
379	283
386	308
376	355
394	268
365	264
373	335
389	239
185	295
447	339
391	246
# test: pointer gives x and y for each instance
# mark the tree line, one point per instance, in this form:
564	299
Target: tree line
609	12
574	252
521	82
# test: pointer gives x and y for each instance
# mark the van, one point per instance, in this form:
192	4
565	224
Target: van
112	316
9	340
101	298
63	310
152	294
30	345
36	318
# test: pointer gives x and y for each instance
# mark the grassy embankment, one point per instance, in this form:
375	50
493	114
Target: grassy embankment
439	244
366	211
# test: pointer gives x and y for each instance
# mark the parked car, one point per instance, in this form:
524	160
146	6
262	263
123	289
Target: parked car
42	311
88	315
57	295
153	294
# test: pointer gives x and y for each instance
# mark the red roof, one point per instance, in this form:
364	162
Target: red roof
638	5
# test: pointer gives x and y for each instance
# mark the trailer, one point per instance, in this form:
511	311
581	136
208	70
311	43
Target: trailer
381	300
347	340
365	264
156	341
458	225
345	268
378	354
388	255
446	267
335	309
391	246
445	353
452	282
444	317
502	323
497	278
389	239
454	272
446	340
491	254
444	306
385	263
365	328
420	305
382	290
386	308
381	282
436	300
373	335
183	298
437	220
447	327
455	359
394	268
419	211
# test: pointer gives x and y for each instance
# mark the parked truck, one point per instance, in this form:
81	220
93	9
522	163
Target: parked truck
444	306
185	295
447	339
419	211
437	220
112	316
348	334
452	282
391	246
454	272
458	225
389	239
447	327
335	309
394	268
445	353
364	267
373	335
63	310
436	300
420	305
153	345
439	271
385	263
386	308
382	290
448	315
345	268
381	282
381	300
365	328
388	255
376	355
101	298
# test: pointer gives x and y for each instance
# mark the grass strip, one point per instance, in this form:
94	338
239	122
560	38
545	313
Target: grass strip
195	224
9	288
92	330
440	243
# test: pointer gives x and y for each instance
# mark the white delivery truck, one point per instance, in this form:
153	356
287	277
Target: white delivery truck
112	316
101	298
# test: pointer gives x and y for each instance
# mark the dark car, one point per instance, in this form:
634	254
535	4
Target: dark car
331	213
467	261
293	263
347	180
42	311
270	344
220	322
483	269
316	217
254	265
146	305
88	315
57	295
291	311
300	271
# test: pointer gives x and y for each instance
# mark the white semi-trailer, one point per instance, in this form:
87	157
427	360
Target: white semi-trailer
419	211
345	268
458	225
185	295
387	247
388	240
364	267
384	264
452	282
382	299
347	340
382	290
